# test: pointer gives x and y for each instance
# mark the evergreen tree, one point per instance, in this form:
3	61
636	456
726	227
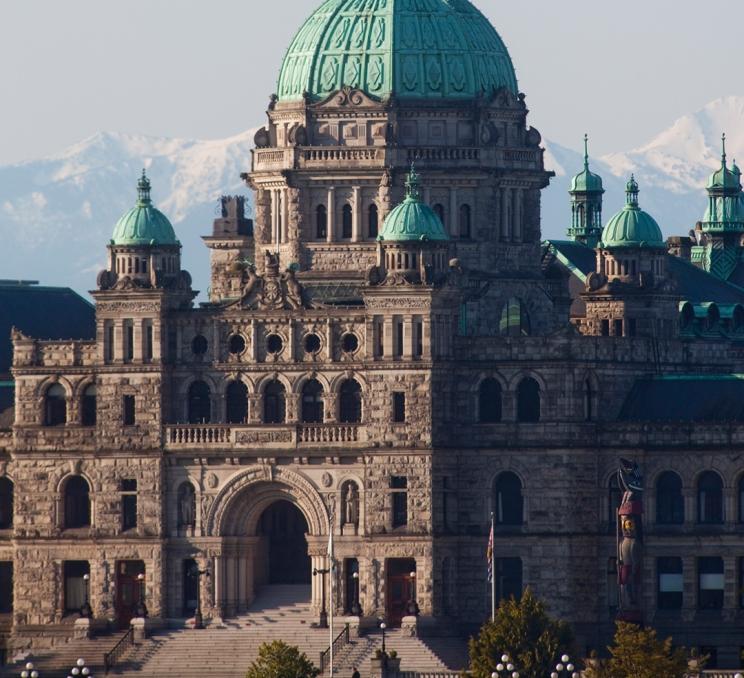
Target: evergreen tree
523	630
638	653
279	660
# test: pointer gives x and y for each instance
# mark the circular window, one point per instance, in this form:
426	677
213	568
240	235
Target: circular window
236	344
199	345
274	343
349	343
312	343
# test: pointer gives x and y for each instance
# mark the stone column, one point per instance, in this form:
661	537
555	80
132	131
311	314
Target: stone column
138	337
408	338
272	193
284	223
118	341
356	224
219	595
518	214
454	221
330	408
426	336
255	414
293	407
331	216
505	226
388	325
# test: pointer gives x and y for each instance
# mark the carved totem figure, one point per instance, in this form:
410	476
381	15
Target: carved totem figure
630	542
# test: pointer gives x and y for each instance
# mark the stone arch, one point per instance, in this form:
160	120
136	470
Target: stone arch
185	385
273	376
339	379
43	386
517	378
80	386
479	378
229	378
300	382
272	484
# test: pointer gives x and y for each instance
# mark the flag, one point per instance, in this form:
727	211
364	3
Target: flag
489	554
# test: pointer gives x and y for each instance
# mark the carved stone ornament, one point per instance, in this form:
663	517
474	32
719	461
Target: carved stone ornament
347	96
212	481
271	291
326	479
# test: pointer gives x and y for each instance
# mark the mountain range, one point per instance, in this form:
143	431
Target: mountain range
57	213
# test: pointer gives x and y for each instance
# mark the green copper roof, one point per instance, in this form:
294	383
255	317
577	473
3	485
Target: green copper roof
586	181
412	219
406	48
143	224
632	227
725	178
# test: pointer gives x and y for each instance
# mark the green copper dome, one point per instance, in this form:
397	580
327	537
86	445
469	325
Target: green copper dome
632	227
586	181
406	48
412	219
143	224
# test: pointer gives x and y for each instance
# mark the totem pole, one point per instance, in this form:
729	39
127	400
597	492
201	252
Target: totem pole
630	542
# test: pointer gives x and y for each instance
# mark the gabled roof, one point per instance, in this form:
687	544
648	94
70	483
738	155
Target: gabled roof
575	256
43	313
675	398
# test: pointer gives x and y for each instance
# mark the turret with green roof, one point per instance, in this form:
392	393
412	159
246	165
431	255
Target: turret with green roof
632	227
725	211
586	203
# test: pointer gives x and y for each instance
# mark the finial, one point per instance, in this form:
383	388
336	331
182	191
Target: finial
412	184
586	151
143	189
723	149
631	192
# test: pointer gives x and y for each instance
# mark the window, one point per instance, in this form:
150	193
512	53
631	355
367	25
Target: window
489	401
741	584
199	403
109	341
6	504
508	578
374	221
465	222
349	343
88	406
508	503
236	403
236	344
350	402
528	400
149	342
710	499
741	499
128	504
128	410
312	344
399	487
76	574
605	328
128	341
439	211
670	505
274	403
76	503
710	583
55	406
186	505
346	222
6	587
199	345
312	402
618	324
274	344
418	337
321	222
590	396
515	321
399	407
669	583
398	348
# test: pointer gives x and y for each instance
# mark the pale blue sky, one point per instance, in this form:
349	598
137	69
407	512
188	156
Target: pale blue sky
205	68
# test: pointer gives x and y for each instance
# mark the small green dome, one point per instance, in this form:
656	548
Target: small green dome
632	227
725	178
586	181
412	219
143	224
433	49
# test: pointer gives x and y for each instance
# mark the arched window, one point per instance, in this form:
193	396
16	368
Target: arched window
346	222
350	402
670	505
312	402
710	499
88	406
55	406
200	403
76	503
374	221
687	318
489	401
466	227
186	505
741	501
515	321
439	211
275	408
236	403
508	504
6	503
321	222
528	400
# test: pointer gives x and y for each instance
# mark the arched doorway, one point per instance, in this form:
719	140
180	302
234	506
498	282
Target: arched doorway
282	528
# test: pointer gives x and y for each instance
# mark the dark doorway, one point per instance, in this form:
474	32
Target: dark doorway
128	590
284	528
190	584
351	568
400	588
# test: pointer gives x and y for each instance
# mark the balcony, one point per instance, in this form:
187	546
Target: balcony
237	436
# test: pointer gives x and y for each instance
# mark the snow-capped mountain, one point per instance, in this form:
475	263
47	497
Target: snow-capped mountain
57	213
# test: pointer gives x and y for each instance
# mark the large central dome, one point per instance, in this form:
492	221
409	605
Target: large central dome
406	48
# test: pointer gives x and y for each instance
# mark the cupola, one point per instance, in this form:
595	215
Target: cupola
586	204
632	227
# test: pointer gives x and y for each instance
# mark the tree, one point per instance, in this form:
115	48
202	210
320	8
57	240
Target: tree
523	630
638	653
279	660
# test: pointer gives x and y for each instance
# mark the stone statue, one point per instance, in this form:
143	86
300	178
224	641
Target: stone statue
186	506
294	289
630	542
351	504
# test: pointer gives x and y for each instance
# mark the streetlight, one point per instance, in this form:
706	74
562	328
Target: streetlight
141	610
383	626
80	669
198	574
323	621
29	671
356	609
412	607
505	668
85	610
565	668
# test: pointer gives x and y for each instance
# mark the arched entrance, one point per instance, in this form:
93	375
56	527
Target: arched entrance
282	529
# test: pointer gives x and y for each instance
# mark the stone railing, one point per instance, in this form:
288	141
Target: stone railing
272	158
442	154
198	435
188	436
328	434
322	156
519	155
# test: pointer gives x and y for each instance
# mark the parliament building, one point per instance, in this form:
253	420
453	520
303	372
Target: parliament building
389	350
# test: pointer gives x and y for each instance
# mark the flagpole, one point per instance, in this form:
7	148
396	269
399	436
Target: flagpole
493	570
331	574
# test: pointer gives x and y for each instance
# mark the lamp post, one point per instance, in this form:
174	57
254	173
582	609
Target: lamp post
323	621
29	671
412	609
565	669
198	574
356	609
383	626
85	611
505	668
141	609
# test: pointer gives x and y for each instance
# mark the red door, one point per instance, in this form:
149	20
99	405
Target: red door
399	589
128	588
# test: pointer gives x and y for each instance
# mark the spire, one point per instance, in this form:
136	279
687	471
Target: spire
143	190
631	193
723	149
412	185
586	152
